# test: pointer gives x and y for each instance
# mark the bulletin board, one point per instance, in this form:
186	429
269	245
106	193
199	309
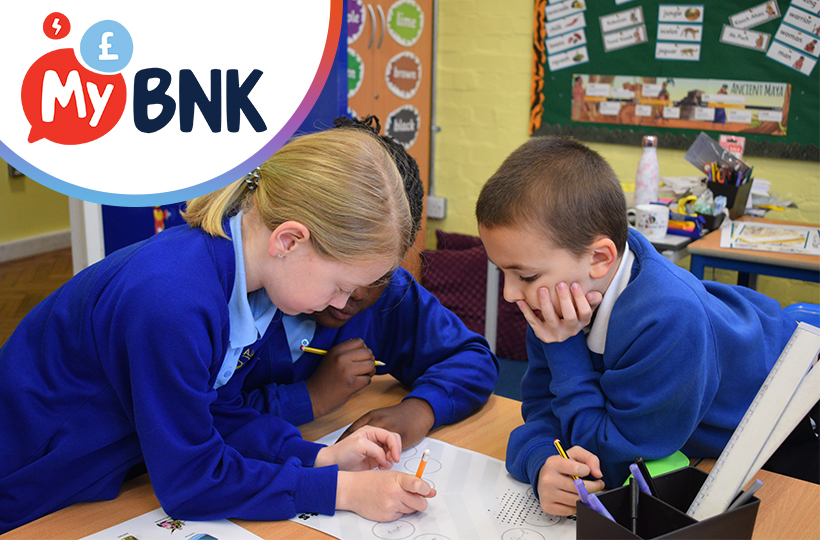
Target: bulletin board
614	70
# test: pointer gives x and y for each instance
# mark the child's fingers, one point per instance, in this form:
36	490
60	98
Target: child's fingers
565	300
547	309
582	455
582	307
412	484
388	441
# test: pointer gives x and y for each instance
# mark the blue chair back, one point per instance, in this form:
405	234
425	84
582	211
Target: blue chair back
807	313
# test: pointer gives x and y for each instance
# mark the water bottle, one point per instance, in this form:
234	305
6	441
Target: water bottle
648	176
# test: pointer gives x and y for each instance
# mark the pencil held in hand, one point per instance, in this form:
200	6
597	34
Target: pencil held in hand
305	348
424	457
557	443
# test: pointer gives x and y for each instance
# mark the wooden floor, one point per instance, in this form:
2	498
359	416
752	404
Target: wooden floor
25	282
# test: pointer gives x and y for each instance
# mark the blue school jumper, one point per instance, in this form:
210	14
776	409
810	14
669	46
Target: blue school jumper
118	366
683	360
423	344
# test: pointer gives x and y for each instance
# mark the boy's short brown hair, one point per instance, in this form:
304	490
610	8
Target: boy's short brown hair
560	186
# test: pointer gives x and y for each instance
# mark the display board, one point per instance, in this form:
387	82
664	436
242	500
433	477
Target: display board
615	70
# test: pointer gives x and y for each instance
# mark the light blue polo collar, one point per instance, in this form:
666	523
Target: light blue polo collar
249	314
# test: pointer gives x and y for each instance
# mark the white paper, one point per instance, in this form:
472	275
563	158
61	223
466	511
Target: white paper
770	237
156	525
476	498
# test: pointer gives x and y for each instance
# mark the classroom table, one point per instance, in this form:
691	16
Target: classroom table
749	263
789	508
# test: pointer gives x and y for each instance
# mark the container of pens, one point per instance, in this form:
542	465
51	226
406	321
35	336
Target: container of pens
736	196
663	515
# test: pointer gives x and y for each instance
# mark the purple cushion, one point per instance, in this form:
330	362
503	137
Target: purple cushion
457	276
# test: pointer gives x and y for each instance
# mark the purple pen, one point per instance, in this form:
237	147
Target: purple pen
636	473
582	491
596	505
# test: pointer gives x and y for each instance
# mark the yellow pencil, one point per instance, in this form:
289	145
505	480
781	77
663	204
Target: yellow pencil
424	457
322	351
564	455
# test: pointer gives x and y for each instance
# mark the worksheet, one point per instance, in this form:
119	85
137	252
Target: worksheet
771	237
476	498
157	525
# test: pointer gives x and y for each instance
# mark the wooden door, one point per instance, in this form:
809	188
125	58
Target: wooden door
390	63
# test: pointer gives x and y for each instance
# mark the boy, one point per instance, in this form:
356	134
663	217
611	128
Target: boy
450	370
669	362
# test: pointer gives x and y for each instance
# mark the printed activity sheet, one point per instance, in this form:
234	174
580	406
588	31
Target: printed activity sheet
157	525
476	498
770	237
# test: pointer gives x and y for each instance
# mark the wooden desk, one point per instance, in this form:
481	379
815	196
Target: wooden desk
748	263
789	508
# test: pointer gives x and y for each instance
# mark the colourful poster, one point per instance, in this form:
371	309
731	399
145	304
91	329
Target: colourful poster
356	18
403	74
355	72
403	125
705	104
405	22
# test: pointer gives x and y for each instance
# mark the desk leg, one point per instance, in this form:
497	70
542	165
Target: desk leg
697	264
747	279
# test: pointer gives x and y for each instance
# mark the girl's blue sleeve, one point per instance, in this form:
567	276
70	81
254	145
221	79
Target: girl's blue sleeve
203	452
427	347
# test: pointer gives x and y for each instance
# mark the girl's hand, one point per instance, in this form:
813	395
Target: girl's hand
366	448
382	495
576	310
556	489
412	419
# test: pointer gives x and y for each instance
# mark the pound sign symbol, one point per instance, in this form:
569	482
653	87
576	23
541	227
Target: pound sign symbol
104	46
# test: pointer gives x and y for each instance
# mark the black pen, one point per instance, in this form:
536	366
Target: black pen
646	476
634	491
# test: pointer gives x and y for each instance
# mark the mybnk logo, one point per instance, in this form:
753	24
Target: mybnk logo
67	103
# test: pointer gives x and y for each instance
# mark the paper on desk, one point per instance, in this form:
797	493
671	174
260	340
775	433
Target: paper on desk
770	237
476	498
156	525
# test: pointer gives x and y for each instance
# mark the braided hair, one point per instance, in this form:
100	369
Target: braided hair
405	163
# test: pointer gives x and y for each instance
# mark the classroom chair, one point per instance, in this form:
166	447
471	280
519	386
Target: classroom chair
807	313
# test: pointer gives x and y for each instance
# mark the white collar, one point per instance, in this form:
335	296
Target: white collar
596	338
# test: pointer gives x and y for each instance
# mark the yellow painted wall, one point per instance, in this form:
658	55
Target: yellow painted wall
29	209
483	95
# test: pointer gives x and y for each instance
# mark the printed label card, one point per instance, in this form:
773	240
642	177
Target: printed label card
668	13
793	58
677	51
755	16
671	113
568	58
797	39
680	32
566	41
625	38
621	19
812	6
749	39
564	9
567	24
598	90
803	20
609	108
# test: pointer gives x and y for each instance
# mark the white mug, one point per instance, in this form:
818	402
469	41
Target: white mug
651	220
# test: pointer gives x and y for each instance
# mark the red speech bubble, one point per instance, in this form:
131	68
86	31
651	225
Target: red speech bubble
68	104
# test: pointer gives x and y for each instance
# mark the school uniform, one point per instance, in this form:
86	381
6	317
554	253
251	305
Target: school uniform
669	363
141	357
423	344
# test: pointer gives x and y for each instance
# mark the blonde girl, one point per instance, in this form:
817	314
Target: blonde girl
138	361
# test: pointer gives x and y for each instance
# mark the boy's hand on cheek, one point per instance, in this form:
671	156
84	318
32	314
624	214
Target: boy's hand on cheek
576	312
